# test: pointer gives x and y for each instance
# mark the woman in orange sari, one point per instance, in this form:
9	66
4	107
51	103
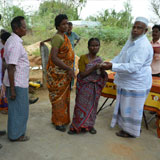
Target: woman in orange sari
59	74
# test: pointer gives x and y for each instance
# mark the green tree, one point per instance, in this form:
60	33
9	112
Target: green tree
77	4
155	6
110	17
44	18
8	13
125	16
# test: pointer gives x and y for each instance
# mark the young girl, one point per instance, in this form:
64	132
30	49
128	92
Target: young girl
90	82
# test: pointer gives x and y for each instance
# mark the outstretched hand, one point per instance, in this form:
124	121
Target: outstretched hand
106	65
41	43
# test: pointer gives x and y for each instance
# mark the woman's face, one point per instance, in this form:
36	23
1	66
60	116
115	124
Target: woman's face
94	47
156	33
63	27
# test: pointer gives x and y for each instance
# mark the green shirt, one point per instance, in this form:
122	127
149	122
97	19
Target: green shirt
57	41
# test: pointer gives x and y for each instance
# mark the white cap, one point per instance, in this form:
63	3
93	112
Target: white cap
143	20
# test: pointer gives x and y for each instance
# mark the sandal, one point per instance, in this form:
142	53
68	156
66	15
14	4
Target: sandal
21	139
61	128
124	134
72	132
92	131
2	133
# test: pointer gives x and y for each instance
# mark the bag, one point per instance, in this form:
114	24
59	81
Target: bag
3	100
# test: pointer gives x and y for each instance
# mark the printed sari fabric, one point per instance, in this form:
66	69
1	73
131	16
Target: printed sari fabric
88	91
58	84
128	111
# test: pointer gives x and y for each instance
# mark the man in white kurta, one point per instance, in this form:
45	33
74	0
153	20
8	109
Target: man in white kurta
133	79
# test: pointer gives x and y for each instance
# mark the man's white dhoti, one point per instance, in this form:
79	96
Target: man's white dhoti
128	110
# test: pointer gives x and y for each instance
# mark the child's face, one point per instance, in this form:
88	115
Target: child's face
69	28
3	42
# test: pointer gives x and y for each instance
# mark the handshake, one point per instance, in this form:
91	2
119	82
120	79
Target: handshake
104	65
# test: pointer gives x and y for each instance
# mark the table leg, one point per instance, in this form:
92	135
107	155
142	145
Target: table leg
102	105
146	124
158	125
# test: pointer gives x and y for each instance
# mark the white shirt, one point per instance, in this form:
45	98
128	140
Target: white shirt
14	53
132	65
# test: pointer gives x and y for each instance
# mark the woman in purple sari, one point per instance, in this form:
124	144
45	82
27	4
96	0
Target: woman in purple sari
90	82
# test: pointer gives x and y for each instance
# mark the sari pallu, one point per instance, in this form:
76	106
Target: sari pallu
88	91
58	84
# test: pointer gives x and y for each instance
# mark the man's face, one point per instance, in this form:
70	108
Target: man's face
21	31
138	29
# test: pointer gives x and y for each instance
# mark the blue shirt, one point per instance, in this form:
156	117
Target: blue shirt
72	37
132	65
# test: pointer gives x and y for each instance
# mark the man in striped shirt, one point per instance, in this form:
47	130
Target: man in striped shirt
16	80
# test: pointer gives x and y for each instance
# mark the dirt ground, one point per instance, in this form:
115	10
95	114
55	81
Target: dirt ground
46	143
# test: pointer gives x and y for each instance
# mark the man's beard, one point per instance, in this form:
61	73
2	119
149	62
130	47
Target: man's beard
131	38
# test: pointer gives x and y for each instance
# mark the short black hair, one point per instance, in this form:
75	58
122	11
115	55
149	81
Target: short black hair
93	39
156	26
2	31
70	23
16	22
5	36
59	18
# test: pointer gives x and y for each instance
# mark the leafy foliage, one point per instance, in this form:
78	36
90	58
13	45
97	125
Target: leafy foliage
49	9
113	34
107	34
110	17
155	6
8	13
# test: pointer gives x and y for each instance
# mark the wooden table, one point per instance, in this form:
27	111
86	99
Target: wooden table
152	102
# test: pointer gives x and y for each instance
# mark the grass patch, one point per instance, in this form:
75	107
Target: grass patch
38	35
107	50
